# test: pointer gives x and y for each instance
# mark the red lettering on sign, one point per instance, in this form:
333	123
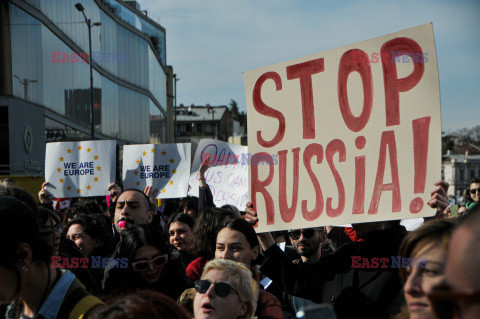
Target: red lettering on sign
336	146
347	66
311	150
288	213
258	186
359	196
264	109
420	129
394	85
304	72
388	140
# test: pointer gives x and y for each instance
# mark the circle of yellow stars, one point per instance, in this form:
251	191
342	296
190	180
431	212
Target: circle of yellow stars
95	179
152	151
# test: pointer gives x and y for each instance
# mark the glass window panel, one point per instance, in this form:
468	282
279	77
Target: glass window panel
62	85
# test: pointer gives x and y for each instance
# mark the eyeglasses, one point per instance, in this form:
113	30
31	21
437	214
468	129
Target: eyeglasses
474	190
445	300
307	233
155	261
222	289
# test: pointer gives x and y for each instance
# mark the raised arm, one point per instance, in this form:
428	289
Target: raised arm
205	197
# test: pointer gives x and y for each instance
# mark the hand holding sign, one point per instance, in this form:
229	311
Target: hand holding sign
152	195
439	198
114	191
44	196
266	239
202	170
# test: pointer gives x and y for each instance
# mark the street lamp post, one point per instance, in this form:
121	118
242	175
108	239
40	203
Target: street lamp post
175	108
81	9
213	124
25	84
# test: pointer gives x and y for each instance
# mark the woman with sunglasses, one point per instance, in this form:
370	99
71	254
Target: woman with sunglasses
472	196
226	290
427	246
152	264
238	241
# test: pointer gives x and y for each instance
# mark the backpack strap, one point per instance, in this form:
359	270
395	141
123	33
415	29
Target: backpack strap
77	302
86	304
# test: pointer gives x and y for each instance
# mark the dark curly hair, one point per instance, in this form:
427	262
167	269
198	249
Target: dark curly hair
468	197
20	225
98	228
206	229
182	218
188	203
20	194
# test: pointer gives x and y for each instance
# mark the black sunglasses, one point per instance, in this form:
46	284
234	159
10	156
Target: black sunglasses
307	233
474	190
222	289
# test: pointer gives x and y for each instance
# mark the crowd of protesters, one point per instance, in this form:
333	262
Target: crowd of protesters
125	257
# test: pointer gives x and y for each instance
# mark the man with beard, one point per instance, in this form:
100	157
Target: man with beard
132	207
308	243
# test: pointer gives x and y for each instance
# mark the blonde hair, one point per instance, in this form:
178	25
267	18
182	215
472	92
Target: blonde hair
240	277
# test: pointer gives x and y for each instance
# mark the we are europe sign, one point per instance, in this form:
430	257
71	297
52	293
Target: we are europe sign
165	167
79	169
356	130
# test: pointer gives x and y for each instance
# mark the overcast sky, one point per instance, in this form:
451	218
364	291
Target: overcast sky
211	42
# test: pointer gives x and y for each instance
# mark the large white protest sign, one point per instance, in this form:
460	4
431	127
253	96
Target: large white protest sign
80	169
227	176
356	131
165	167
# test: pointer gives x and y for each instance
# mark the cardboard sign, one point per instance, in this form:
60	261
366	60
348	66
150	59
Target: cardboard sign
80	169
227	175
165	167
349	135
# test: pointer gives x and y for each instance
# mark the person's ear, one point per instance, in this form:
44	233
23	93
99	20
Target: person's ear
24	256
256	251
149	217
242	310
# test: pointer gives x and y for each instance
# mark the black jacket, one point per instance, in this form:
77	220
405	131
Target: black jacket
354	292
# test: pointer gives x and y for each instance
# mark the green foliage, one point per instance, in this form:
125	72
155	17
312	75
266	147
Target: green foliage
241	117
